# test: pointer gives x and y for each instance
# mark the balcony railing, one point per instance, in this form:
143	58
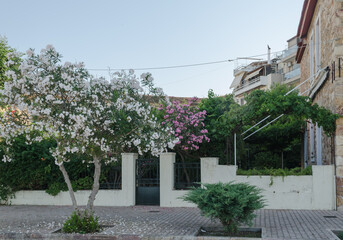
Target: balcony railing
255	80
245	68
292	74
289	51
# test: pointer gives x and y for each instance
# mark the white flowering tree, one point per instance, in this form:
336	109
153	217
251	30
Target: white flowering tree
84	115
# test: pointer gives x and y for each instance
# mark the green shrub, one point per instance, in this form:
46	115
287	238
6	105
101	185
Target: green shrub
266	160
81	222
55	188
276	172
33	168
232	203
6	193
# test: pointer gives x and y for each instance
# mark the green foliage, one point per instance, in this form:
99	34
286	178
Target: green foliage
29	171
81	222
220	128
4	50
6	193
55	188
33	168
232	203
275	172
297	108
339	234
284	135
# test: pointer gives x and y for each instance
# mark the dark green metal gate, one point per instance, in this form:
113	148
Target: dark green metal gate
147	182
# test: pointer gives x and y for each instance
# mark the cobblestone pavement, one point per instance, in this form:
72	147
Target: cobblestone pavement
147	221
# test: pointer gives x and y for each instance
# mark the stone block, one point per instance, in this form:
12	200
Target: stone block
338	52
339	151
339	171
339	121
338	101
339	160
339	201
339	130
339	182
339	141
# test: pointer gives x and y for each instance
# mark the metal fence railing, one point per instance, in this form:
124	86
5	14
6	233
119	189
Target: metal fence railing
111	178
186	175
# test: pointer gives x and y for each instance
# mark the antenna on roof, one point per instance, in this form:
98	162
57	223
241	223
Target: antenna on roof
268	54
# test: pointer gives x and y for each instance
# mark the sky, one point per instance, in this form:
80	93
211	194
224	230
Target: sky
124	34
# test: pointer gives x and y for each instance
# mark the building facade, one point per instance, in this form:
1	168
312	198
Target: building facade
261	75
288	65
320	54
256	75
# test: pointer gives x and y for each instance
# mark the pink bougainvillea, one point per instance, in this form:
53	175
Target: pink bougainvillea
188	124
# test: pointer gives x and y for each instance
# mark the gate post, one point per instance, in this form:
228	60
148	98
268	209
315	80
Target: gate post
167	161
128	168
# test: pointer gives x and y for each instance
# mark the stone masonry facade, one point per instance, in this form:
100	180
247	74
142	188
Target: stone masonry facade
329	15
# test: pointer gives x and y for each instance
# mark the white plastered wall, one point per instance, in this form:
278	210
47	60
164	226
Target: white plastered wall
290	192
124	197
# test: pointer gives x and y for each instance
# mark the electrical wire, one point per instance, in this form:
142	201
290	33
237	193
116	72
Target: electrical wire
166	67
198	64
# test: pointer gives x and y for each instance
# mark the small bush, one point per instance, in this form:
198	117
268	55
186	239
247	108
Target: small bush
81	222
232	203
276	172
6	193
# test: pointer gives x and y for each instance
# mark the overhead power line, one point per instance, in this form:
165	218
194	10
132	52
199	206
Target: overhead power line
196	64
166	67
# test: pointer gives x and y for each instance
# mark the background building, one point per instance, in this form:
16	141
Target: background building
256	75
288	65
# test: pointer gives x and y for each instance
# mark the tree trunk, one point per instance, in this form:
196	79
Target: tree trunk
96	184
70	188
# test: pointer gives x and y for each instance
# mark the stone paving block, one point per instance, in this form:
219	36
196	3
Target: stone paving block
155	223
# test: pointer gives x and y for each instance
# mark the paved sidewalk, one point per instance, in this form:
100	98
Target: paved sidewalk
155	222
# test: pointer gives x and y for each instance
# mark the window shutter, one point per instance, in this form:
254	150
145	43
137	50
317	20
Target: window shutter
319	145
312	156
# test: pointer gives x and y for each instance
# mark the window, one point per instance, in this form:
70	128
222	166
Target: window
318	46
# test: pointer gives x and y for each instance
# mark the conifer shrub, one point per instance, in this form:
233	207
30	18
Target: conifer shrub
231	203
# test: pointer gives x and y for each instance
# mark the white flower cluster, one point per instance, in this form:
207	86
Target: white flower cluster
83	114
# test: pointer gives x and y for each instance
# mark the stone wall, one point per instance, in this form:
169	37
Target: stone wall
330	95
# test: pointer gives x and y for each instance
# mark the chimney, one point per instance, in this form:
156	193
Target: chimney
268	54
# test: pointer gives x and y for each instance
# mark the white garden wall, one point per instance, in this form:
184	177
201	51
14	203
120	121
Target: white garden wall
124	197
104	198
291	192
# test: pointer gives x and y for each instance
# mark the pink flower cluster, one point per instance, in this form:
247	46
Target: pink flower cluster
188	124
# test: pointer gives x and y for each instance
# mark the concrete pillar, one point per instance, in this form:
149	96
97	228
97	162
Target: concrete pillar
128	169
323	187
212	172
208	169
167	161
